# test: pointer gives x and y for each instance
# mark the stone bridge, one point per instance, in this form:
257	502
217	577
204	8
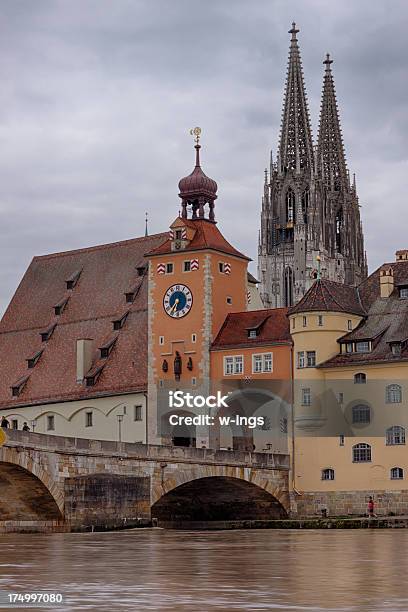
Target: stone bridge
73	484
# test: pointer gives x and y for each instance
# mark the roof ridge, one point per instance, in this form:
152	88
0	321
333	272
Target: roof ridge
98	247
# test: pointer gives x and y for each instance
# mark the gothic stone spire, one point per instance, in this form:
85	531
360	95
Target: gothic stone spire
296	148
331	161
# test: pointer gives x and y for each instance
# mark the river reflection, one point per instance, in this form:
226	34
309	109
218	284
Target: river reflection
227	570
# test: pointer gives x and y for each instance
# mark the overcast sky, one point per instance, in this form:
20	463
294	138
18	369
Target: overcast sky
97	98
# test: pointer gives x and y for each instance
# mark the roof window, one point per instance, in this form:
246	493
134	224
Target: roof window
31	361
60	307
119	323
47	333
19	385
73	279
107	347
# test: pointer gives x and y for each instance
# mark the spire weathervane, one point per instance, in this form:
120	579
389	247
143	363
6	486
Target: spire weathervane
196	132
146	220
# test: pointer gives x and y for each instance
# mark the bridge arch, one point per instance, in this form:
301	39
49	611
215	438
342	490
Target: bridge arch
218	498
29	470
173	479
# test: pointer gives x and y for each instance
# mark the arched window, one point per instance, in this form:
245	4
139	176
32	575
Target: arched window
360	378
328	474
290	206
338	230
361	453
395	435
305	204
361	413
397	473
288	287
393	394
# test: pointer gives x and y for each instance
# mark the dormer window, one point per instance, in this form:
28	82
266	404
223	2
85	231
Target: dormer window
403	292
73	279
396	349
252	333
47	333
179	234
18	386
130	296
31	361
107	348
92	377
141	270
119	323
60	307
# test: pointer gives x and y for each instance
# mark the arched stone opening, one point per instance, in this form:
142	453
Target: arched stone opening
178	434
216	499
24	497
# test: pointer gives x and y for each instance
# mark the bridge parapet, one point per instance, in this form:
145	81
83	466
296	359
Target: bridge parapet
145	452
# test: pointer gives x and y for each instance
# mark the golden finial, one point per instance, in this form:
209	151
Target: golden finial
196	132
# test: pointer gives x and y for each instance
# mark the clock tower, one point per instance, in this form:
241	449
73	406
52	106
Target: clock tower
196	278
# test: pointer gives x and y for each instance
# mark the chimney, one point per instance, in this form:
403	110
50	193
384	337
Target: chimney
83	357
386	282
401	255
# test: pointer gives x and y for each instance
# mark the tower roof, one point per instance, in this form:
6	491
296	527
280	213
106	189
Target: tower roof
296	146
331	161
197	183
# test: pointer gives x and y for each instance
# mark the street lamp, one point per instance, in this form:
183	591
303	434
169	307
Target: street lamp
33	425
120	419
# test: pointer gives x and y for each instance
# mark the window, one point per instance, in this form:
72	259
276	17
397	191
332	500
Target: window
252	333
311	359
14	424
283	425
193	337
179	234
161	340
341	439
293	323
138	413
397	473
328	474
262	363
320	320
361	414
362	347
169	268
193	382
360	378
229	300
233	365
50	422
304	321
349	325
395	435
349	347
340	397
403	293
301	359
88	419
393	394
361	453
187	266
290	206
221	266
396	348
306	397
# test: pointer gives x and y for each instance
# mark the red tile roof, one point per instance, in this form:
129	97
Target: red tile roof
326	295
97	299
207	236
272	325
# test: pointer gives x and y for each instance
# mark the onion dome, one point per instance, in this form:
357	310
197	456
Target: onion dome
197	183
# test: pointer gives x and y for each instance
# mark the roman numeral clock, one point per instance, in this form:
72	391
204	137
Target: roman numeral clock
177	301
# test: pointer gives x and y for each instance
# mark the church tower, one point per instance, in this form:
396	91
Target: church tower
309	208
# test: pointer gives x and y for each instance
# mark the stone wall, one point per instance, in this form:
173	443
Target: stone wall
107	501
348	503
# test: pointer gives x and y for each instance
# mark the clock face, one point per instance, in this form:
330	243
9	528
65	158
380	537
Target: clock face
177	301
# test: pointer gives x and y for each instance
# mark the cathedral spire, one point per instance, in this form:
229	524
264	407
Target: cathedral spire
295	148
330	150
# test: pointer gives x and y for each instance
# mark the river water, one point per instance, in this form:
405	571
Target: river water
153	569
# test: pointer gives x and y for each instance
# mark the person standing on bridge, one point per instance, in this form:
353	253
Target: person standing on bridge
26	427
4	423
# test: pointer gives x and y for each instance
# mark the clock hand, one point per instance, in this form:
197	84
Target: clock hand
174	307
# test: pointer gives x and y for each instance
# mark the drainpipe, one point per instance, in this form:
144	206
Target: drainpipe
292	403
146	416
